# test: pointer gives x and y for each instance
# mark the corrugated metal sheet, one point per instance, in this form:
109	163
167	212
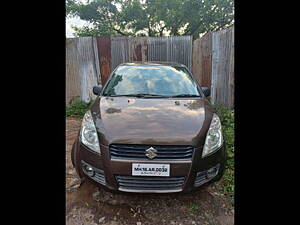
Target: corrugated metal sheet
72	70
202	57
212	55
138	49
171	49
104	54
82	73
97	58
222	68
119	51
231	72
196	61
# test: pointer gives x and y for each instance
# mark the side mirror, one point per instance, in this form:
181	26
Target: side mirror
97	90
206	91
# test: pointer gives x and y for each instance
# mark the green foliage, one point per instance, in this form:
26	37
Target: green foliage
77	108
194	208
227	120
151	17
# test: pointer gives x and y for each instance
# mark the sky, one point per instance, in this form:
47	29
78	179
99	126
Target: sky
73	21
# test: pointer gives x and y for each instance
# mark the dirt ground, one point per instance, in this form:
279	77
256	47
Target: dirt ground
91	205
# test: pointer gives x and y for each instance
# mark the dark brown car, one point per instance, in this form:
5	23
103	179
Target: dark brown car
151	129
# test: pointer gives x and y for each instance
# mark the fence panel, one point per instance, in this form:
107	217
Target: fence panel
138	49
72	70
104	55
231	72
202	57
222	67
119	51
89	61
81	69
171	49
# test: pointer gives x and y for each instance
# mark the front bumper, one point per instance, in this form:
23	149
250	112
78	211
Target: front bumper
116	171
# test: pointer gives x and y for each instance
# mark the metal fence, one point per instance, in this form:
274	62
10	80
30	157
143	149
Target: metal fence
82	68
90	60
213	65
171	49
202	60
222	74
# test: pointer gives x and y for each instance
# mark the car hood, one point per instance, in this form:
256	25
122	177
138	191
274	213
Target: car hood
152	121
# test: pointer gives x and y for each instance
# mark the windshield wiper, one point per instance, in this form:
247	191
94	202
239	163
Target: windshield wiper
140	95
186	95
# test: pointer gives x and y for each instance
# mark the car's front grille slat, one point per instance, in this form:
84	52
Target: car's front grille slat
150	183
186	156
202	177
122	151
142	151
158	179
98	176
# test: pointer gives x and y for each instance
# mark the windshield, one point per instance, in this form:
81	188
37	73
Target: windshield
151	80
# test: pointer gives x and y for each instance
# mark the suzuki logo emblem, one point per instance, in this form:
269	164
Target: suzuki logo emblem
151	153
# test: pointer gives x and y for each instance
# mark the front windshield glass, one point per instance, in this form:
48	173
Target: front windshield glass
151	80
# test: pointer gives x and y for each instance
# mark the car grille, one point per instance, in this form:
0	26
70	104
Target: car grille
203	177
98	176
164	152
200	179
150	183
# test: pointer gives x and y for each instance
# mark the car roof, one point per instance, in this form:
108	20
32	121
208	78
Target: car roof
151	63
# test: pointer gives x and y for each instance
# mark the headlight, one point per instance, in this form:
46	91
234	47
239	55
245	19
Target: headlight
88	133
214	137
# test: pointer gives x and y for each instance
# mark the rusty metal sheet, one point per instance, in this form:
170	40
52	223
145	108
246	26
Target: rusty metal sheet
202	56
138	49
206	54
104	54
196	61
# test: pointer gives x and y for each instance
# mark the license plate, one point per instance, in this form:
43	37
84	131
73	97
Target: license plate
157	170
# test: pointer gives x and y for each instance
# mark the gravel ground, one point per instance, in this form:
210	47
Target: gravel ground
91	205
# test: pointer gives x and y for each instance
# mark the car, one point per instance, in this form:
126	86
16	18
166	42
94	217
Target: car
151	129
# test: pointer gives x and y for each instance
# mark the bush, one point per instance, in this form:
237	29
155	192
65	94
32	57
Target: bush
227	120
77	108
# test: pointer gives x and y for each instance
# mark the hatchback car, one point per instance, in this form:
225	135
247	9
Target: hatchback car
151	129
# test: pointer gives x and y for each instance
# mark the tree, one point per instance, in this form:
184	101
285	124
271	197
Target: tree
151	17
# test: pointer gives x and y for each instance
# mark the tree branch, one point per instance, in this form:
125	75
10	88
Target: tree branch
194	29
119	32
161	31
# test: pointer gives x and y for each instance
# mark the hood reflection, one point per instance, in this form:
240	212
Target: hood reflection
151	119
